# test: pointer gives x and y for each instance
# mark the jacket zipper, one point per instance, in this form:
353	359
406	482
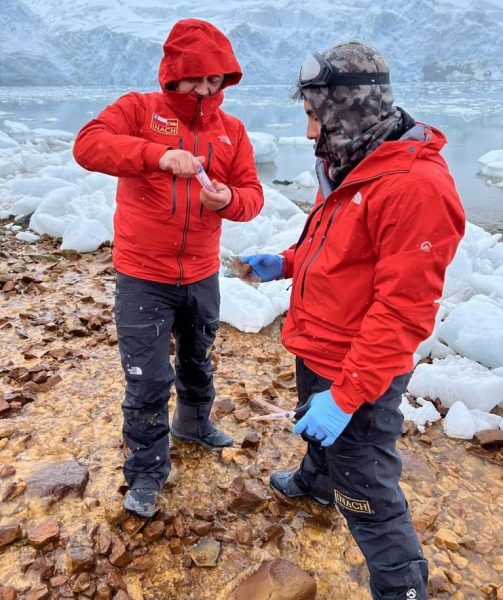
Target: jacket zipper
189	183
318	250
208	166
173	182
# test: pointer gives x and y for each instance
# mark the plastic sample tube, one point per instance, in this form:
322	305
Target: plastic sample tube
204	180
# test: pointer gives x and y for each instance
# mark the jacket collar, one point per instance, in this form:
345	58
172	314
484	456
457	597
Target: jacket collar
191	108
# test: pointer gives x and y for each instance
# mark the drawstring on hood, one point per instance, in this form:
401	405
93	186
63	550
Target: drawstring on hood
354	119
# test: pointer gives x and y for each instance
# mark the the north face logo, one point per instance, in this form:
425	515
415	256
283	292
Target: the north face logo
411	594
357	198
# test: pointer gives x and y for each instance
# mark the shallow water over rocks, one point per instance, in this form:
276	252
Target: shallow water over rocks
62	385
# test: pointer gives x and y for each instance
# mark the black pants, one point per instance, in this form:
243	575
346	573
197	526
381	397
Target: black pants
362	468
147	313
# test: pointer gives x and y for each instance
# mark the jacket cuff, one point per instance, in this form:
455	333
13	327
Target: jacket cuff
347	396
151	156
224	208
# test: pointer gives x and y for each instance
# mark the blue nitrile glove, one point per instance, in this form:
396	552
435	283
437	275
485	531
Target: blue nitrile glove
324	420
265	266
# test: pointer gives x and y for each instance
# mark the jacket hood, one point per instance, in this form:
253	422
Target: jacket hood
196	48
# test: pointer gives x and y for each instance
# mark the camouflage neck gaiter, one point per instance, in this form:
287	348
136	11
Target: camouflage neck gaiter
354	119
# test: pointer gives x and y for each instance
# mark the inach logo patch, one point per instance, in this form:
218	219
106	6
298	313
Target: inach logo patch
163	125
361	506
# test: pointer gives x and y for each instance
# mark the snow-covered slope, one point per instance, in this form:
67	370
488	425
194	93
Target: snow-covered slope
118	41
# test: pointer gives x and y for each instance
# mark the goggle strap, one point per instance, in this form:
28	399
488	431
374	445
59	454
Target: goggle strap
349	79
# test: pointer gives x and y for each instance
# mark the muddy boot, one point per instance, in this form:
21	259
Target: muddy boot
191	424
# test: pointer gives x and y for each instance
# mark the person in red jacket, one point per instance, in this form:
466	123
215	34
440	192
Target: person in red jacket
166	241
367	272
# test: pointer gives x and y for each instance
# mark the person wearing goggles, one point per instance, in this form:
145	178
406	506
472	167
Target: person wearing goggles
367	272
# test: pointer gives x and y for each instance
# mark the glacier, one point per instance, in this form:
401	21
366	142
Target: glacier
93	42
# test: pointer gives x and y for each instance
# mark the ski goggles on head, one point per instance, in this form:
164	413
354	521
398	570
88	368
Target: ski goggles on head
316	71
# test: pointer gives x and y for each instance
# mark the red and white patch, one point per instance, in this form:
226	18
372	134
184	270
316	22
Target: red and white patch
163	125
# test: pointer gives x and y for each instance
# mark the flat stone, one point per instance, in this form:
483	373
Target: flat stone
205	553
9	534
62	479
416	468
119	556
153	531
251	440
446	539
276	580
490	437
245	496
43	531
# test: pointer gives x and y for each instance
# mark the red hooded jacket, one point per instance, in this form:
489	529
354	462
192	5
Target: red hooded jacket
161	230
370	265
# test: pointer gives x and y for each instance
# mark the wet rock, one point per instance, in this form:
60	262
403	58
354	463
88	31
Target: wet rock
201	528
43	531
44	566
7	471
490	437
416	468
132	524
10	534
251	440
82	583
115	512
242	414
8	593
276	580
274	531
115	581
8	428
245	536
104	544
205	553
246	496
39	593
122	595
224	407
425	516
79	557
175	545
446	539
62	479
4	407
141	563
58	581
204	514
119	556
153	531
103	592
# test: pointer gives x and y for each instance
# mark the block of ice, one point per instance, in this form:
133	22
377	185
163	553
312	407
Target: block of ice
426	413
6	141
484	420
475	329
84	235
264	145
459	423
456	378
244	306
305	179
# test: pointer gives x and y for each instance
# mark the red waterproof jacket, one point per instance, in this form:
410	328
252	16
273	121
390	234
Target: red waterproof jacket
161	230
370	265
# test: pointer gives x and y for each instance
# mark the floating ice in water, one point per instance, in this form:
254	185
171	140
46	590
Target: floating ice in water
459	422
14	127
492	164
457	378
6	141
296	140
264	145
279	125
305	179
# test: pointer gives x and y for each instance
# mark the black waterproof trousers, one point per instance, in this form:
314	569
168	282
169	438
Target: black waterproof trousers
147	314
361	472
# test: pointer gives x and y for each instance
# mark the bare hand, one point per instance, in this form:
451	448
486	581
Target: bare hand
216	200
181	162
